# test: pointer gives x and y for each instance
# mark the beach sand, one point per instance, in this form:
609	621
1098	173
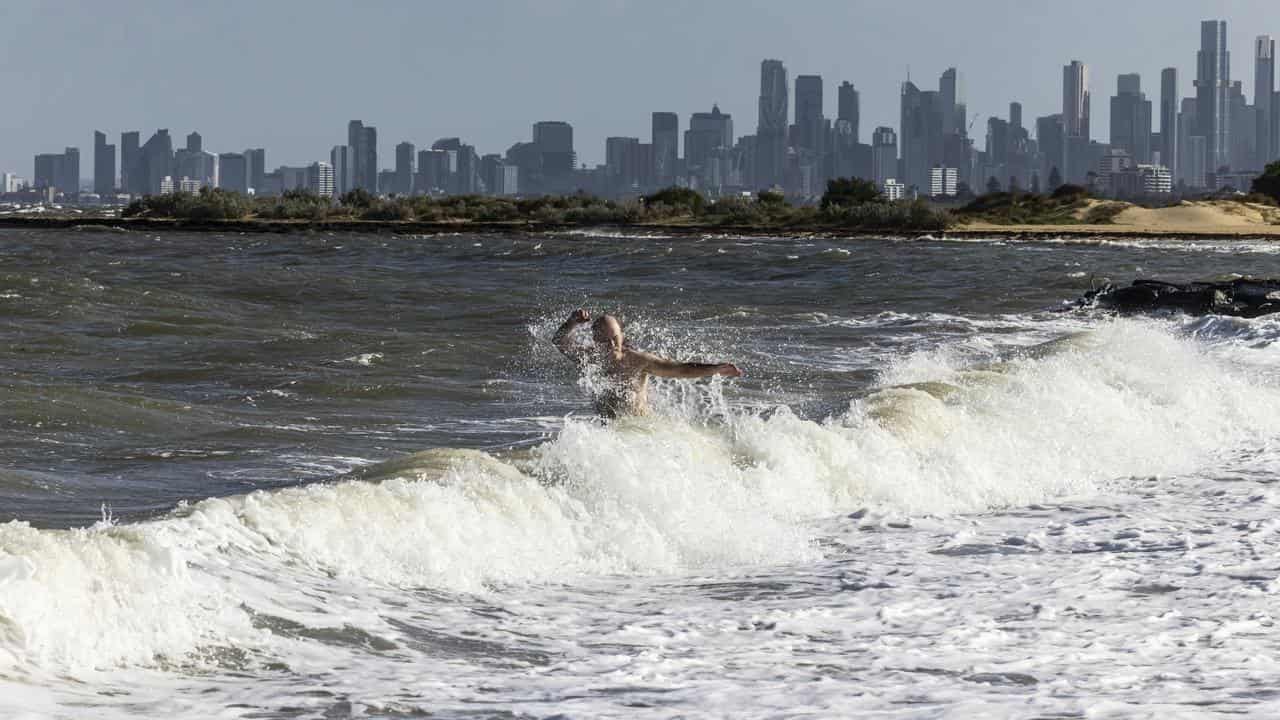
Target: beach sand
1190	218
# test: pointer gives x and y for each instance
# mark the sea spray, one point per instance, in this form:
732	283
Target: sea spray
641	496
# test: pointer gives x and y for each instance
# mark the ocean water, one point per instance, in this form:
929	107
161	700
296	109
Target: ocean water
332	476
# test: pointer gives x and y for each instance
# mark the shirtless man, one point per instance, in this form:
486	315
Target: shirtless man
627	370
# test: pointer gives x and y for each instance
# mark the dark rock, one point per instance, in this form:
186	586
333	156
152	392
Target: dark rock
1240	297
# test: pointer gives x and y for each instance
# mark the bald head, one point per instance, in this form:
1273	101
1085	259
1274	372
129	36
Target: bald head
607	330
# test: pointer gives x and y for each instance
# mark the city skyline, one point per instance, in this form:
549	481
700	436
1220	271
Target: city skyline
62	91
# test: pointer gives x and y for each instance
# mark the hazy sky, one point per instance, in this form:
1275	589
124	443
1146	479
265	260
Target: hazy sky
288	76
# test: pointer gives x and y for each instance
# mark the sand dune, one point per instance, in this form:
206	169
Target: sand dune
1200	217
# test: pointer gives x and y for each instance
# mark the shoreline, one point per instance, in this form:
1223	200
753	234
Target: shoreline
968	230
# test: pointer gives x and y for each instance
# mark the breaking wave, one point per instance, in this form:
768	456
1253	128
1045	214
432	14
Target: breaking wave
699	486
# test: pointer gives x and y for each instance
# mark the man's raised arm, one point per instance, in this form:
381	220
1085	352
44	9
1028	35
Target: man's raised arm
662	367
562	340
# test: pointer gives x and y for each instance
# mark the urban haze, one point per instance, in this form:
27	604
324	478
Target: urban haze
623	97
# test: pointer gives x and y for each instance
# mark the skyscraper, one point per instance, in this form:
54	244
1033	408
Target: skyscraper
1264	87
1169	119
195	143
1051	137
1075	99
708	131
1213	86
771	127
343	172
156	162
69	181
622	163
666	147
884	154
847	107
363	141
104	165
404	169
233	172
920	137
256	162
1075	122
809	113
1131	119
951	102
554	139
1192	157
129	158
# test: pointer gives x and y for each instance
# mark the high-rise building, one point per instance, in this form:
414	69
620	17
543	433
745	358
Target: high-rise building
847	107
434	172
404	169
1213	88
920	137
104	165
340	157
622	163
554	139
1075	99
256	160
1131	119
771	127
1169	119
506	180
708	132
1192	161
464	165
1264	88
1243	117
130	157
194	165
10	183
47	171
233	172
156	162
70	181
1076	122
884	154
951	103
1051	137
320	179
665	136
364	143
809	114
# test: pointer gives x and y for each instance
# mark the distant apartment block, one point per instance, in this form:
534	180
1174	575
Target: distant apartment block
943	181
320	179
893	190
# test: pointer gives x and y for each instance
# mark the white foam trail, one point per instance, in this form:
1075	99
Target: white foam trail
643	496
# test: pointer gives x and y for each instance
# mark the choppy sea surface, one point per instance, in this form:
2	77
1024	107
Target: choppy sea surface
331	476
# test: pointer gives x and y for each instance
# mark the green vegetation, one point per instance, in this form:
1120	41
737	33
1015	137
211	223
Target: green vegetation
848	204
1067	205
1268	183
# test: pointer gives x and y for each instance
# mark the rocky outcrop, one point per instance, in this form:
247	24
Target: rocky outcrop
1241	297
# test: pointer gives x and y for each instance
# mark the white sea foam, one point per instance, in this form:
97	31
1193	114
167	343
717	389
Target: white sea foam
709	491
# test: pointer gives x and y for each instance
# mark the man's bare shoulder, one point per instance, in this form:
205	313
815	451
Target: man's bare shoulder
638	360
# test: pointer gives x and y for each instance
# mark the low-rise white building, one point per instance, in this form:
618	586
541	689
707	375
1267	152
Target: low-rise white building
1156	179
893	190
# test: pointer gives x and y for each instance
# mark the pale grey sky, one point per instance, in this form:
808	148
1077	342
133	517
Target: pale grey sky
288	76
